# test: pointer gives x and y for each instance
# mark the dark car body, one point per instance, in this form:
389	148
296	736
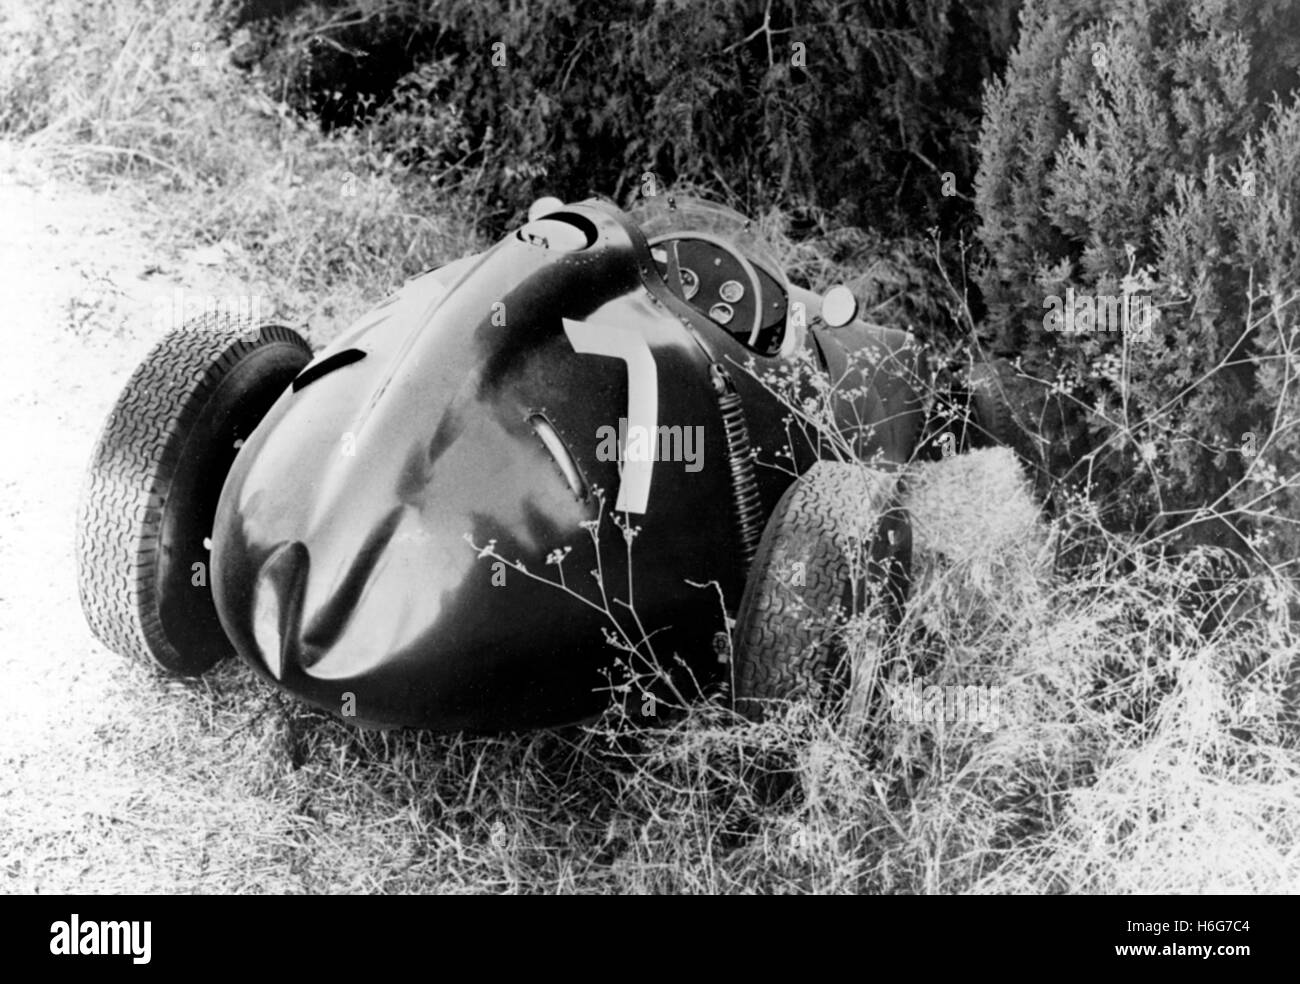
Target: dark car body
473	405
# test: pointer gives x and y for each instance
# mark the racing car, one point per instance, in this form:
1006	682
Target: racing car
512	473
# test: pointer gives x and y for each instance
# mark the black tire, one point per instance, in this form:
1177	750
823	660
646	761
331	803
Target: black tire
842	524
154	479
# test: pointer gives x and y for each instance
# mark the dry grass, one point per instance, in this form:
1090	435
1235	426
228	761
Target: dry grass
142	97
1136	753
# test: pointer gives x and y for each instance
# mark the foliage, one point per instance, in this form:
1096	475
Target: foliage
1156	756
1149	147
144	94
857	108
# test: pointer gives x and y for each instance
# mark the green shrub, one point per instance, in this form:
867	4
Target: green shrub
857	108
1149	146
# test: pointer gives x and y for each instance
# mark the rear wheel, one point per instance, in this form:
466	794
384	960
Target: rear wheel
836	547
154	479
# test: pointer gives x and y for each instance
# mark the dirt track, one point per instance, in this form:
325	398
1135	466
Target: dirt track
78	761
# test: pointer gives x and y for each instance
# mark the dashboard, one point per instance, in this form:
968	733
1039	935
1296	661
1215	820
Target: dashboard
724	286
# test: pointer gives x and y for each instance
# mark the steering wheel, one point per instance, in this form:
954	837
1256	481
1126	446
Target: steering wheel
709	274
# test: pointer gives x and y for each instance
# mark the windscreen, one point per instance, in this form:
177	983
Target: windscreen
663	214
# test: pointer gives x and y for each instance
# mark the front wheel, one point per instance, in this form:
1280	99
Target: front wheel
154	479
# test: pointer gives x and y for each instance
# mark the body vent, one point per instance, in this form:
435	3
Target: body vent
327	365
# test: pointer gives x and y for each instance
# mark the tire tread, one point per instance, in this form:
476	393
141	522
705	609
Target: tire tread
124	493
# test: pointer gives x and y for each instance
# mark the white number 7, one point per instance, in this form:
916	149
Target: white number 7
629	345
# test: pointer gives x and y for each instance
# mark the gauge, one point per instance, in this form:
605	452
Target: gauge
690	282
731	291
722	313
